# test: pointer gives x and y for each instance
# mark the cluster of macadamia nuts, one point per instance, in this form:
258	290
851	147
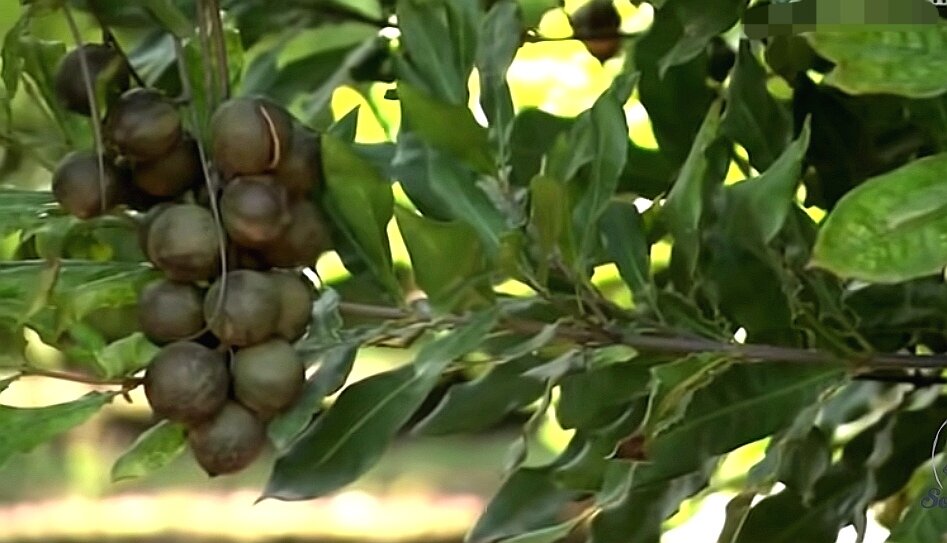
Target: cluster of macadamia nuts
227	363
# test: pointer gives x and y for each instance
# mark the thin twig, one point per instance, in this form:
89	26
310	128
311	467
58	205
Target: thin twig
209	182
93	103
127	383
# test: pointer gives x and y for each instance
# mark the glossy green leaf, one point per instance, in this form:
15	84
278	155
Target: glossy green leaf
547	535
528	501
903	62
23	429
923	519
637	516
451	128
609	140
313	41
485	401
329	377
699	21
368	8
351	436
362	202
126	356
891	228
465	282
685	202
741	405
499	42
626	243
760	205
550	219
444	189
155	448
433	61
753	118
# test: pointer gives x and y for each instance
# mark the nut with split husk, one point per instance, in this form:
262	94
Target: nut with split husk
250	136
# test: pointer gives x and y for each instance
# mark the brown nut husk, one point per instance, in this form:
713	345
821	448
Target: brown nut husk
173	174
229	442
250	308
254	210
250	136
187	382
76	184
306	237
598	18
183	242
267	377
296	298
143	124
107	70
170	311
301	170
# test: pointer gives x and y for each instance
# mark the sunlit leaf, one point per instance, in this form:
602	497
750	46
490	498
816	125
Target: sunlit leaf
891	228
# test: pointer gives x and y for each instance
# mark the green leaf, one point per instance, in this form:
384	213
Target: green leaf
362	202
528	501
923	521
437	49
547	535
171	18
595	398
533	10
550	220
444	189
11	56
313	41
448	127
760	205
126	356
753	118
485	401
154	449
609	140
891	228
743	404
626	243
685	203
351	436
499	41
903	62
368	8
699	21
638	516
23	429
333	371
462	284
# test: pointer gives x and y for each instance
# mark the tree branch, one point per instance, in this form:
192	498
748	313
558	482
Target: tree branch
127	383
677	345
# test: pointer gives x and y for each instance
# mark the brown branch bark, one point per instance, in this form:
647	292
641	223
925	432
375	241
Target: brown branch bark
677	345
